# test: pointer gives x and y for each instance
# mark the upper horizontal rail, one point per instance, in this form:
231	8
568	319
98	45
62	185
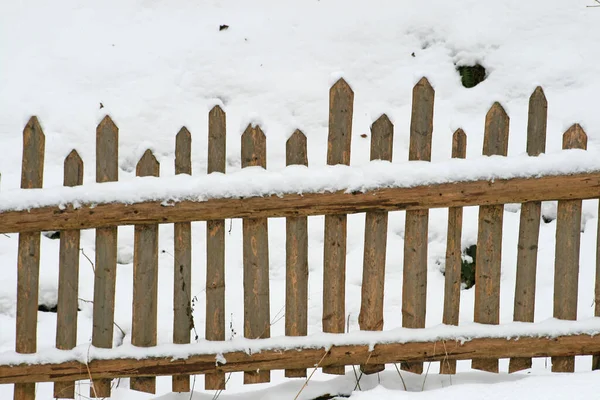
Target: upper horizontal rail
459	194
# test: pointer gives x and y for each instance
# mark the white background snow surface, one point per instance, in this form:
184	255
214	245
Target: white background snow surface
155	66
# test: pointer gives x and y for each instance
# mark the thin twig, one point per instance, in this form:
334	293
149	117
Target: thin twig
362	373
87	365
597	1
428	366
6	235
446	360
91	263
311	375
401	378
218	393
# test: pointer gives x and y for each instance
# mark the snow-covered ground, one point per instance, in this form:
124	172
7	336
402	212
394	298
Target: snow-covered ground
155	66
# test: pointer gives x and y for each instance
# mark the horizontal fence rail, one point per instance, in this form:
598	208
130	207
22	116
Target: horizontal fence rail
455	194
302	357
569	189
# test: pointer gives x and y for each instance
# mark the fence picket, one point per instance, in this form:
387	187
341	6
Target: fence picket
453	256
414	280
145	280
376	223
215	246
68	279
529	226
182	262
341	103
296	251
107	170
489	237
256	257
596	359
28	262
566	267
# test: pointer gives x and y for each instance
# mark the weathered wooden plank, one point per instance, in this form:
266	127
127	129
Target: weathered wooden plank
489	237
529	226
107	170
257	322
566	266
28	261
182	260
144	319
443	195
376	223
215	246
341	108
296	358
453	255
68	279
596	359
414	281
296	258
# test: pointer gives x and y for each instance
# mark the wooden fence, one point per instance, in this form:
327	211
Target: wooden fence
569	190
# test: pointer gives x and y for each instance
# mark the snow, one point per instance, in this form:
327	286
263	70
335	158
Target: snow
298	179
156	66
551	328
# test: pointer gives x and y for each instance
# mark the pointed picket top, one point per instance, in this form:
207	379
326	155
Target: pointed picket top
295	149
341	86
183	152
495	140
73	169
34	144
575	138
148	165
254	147
424	85
539	94
459	144
537	122
217	110
382	139
421	121
107	123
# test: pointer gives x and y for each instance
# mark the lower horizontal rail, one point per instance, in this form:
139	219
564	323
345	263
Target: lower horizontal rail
295	358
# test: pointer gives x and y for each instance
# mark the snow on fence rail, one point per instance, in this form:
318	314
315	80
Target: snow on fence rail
23	368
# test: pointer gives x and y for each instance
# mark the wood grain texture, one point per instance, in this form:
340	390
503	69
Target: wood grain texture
28	261
296	258
566	266
453	267
529	226
182	262
107	170
215	246
144	320
257	321
280	358
489	237
375	247
596	358
444	195
414	280
341	108
68	279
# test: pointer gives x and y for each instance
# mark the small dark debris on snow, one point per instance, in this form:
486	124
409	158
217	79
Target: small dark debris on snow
413	54
101	106
52	234
364	135
48	308
331	397
223	27
547	219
